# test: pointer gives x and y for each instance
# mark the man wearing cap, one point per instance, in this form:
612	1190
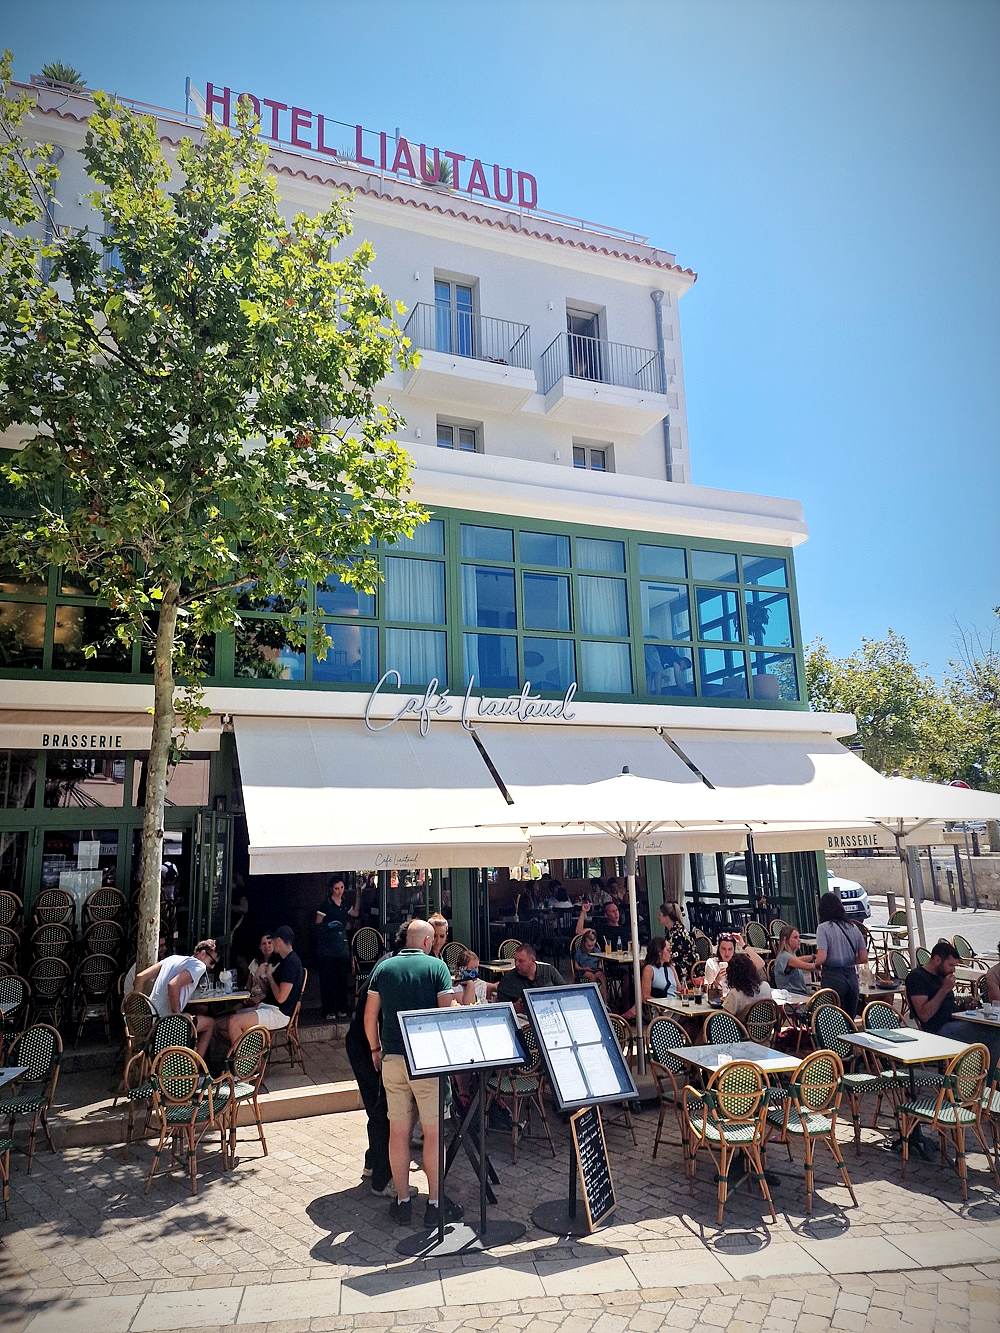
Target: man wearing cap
413	979
282	983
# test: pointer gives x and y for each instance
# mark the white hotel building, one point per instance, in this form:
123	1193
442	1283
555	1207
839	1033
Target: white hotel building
570	558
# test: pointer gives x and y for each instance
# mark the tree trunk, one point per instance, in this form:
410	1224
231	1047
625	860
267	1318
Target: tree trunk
156	778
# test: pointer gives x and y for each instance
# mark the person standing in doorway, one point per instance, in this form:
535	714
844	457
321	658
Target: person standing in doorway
333	949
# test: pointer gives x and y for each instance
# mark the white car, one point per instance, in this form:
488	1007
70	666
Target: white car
851	894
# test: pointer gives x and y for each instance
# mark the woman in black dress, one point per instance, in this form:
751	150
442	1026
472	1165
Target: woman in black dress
333	949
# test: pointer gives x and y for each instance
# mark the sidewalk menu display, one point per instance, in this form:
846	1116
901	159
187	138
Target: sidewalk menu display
464	1037
592	1161
584	1061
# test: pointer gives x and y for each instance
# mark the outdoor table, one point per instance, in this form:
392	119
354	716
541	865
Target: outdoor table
969	972
891	937
977	1016
216	998
717	1056
499	965
8	1073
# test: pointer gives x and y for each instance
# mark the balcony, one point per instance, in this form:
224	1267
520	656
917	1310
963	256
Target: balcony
591	383
470	358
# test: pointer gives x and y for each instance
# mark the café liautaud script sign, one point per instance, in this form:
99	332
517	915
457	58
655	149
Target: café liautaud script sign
435	702
309	130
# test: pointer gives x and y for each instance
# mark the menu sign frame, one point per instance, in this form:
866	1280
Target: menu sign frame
461	1039
585	1064
591	1150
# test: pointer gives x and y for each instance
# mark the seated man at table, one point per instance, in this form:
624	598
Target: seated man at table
282	983
612	934
528	974
171	982
930	989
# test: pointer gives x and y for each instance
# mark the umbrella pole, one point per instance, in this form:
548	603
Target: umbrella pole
630	869
909	903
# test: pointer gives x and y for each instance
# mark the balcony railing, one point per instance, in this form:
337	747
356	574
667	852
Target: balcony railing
438	328
606	363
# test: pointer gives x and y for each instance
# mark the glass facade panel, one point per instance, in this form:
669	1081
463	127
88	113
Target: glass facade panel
352	656
79	861
488	597
491	660
17	780
13	861
262	652
663	562
487	543
76	628
718	614
765	569
546	602
545	548
189	783
593	553
78	780
14	584
723	673
668	671
414	591
775	676
665	611
714	566
337	598
606	668
550	664
602	608
769	619
419	656
22	634
427	539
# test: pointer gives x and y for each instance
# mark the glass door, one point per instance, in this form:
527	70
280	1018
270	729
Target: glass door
453	318
211	904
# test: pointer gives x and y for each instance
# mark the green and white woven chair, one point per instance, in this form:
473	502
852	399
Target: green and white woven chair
171	1030
14	992
728	1118
721	1027
958	1106
39	1049
188	1102
877	1017
758	938
668	1070
810	1113
762	1021
247	1065
521	1090
94	991
829	1026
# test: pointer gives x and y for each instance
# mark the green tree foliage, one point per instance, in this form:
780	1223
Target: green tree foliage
197	387
909	723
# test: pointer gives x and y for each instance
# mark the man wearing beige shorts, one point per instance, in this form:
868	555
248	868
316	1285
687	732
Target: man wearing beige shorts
413	979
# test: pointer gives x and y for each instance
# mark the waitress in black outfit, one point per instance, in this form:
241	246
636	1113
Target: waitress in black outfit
333	949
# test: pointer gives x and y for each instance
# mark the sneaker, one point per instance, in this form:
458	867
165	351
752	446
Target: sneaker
384	1191
329	1018
432	1213
402	1212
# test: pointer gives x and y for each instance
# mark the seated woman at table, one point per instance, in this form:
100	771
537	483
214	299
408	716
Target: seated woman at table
993	981
658	978
264	954
587	965
746	985
716	969
790	971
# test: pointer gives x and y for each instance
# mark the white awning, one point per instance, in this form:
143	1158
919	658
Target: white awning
330	794
779	765
90	732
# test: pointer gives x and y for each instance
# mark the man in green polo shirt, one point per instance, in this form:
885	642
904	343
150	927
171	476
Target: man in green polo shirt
413	979
528	973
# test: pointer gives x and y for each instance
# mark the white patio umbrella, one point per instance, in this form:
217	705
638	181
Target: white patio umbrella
626	810
900	806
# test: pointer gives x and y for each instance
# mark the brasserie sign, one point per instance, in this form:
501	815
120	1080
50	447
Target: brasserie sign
436	702
313	132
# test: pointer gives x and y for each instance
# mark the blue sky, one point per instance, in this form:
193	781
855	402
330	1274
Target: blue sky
829	168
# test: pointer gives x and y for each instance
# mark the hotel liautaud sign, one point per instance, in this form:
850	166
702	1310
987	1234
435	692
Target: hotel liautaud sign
436	702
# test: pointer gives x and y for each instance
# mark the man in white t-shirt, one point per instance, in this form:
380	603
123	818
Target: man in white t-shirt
171	983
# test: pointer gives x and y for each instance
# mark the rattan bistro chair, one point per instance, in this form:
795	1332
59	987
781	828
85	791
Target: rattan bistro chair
246	1062
94	991
758	938
809	1112
508	948
290	1033
520	1090
762	1021
668	1070
730	1116
958	1106
15	993
39	1050
54	907
170	1030
829	1027
103	904
367	947
49	980
187	1101
138	1016
721	1027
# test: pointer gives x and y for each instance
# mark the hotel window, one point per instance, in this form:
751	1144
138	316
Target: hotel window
593	457
454	320
583	329
454	435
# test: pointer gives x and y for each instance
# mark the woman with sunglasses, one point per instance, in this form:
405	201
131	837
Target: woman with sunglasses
171	983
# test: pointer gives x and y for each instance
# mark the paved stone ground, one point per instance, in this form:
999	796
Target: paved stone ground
294	1242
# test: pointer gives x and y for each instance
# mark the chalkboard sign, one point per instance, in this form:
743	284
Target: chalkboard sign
592	1160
